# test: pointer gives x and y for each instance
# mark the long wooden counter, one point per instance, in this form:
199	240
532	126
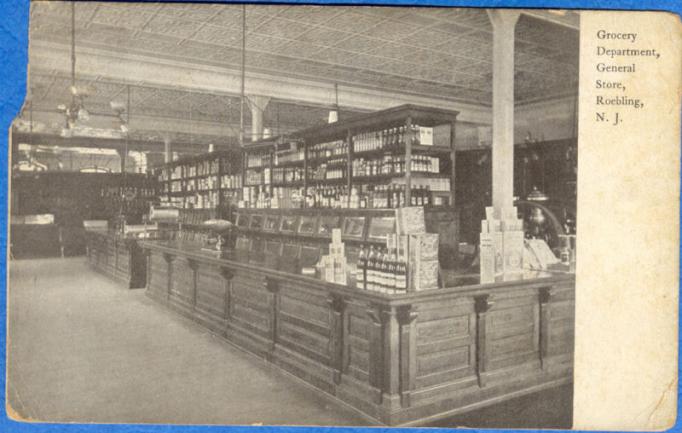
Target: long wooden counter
400	359
117	257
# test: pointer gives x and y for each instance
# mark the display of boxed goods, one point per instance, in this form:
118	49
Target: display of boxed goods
487	258
333	266
423	275
513	236
423	246
410	220
501	243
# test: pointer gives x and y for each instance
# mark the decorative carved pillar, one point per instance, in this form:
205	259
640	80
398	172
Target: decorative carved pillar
194	266
148	257
257	104
337	346
544	298
384	354
408	353
272	286
376	351
228	275
503	23
482	305
169	282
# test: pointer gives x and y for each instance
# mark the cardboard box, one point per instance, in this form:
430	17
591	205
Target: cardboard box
513	251
423	246
424	275
403	245
410	220
336	236
487	258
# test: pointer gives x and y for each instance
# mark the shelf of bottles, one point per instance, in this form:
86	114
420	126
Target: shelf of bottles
380	269
130	196
210	181
375	167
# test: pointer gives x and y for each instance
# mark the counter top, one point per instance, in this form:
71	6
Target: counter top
454	281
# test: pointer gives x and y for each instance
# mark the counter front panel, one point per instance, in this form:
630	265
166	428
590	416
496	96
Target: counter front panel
400	359
116	257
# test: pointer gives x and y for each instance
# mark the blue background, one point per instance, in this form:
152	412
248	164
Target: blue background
14	49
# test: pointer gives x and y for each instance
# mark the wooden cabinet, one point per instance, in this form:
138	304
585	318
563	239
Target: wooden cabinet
121	259
401	359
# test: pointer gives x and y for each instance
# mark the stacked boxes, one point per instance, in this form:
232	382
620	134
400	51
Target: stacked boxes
410	220
501	244
421	248
334	266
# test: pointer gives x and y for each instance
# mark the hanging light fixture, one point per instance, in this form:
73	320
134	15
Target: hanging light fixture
75	110
243	78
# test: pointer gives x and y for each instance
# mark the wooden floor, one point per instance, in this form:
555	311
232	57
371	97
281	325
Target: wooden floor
84	349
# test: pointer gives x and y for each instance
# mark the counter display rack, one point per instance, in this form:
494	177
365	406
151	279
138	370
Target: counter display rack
301	236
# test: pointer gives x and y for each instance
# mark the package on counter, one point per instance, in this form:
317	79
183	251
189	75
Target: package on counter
424	274
410	220
336	236
424	246
513	251
487	258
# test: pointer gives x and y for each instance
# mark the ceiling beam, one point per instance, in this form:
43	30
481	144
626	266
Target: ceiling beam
130	68
139	122
49	139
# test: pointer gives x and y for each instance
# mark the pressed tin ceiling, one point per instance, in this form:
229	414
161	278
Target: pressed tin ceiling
436	52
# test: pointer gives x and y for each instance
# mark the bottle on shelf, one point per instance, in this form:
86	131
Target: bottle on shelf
400	275
385	271
371	269
361	271
392	271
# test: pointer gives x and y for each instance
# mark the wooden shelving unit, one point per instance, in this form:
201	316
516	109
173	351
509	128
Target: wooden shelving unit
378	160
203	187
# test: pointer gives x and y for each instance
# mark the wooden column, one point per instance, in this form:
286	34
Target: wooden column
503	23
376	352
408	353
544	298
384	355
227	275
337	346
272	286
482	305
169	283
194	266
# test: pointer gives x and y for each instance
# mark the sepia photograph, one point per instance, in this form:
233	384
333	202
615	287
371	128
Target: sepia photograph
250	214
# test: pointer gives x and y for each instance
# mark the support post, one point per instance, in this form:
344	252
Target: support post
482	305
337	346
257	104
544	298
503	23
167	150
408	353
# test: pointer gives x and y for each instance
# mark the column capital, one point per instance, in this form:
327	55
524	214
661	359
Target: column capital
258	102
503	19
